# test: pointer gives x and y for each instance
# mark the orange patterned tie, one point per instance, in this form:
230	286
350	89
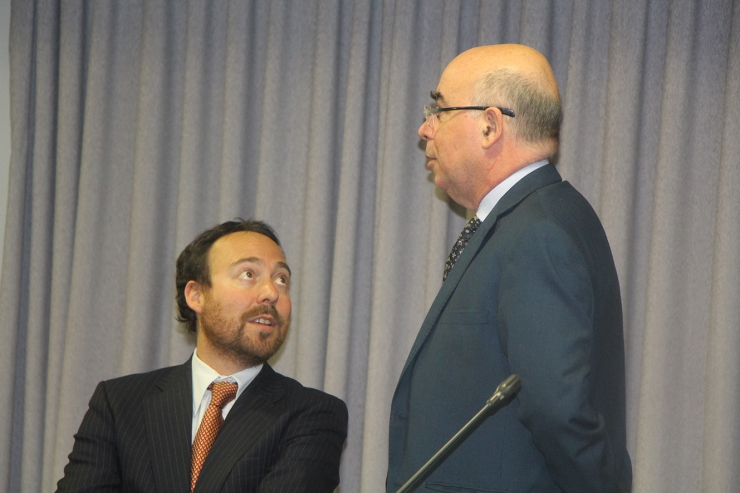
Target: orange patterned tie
221	394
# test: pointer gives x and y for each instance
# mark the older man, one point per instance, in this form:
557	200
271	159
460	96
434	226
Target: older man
530	288
223	421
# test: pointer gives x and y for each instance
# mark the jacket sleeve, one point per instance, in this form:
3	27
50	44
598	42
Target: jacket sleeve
93	464
546	319
310	449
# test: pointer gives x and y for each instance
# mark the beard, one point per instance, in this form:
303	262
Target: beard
232	339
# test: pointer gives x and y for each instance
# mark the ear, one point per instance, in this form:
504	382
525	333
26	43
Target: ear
492	127
194	296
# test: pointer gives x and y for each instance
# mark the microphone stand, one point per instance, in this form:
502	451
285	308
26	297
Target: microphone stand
499	399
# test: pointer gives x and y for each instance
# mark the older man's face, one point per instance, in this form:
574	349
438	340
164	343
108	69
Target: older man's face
452	140
246	311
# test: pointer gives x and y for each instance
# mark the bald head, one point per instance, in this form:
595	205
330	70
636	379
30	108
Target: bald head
522	60
517	77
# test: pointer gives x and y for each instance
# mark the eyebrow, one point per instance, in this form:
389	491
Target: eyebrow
285	266
257	260
436	96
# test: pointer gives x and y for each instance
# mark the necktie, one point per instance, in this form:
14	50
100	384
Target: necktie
462	241
221	394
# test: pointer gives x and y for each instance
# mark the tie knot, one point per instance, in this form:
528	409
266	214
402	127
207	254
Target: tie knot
222	393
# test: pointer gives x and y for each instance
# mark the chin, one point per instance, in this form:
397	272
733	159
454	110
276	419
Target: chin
264	344
442	185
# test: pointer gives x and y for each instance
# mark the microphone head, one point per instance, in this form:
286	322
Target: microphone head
509	386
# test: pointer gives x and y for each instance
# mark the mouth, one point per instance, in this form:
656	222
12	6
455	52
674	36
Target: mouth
264	321
263	318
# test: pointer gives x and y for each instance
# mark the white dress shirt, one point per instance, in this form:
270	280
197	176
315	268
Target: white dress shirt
491	199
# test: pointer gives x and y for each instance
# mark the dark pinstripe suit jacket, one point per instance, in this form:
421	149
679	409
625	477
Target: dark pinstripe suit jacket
135	437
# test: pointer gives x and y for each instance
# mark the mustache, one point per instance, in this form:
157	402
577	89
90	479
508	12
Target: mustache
263	310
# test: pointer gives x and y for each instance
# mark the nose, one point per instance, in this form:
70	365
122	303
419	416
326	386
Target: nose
268	294
425	131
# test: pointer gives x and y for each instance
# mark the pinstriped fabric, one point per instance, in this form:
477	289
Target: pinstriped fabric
102	458
291	433
279	436
168	412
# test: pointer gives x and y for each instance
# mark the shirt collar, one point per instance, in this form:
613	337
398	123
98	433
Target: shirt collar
204	375
491	199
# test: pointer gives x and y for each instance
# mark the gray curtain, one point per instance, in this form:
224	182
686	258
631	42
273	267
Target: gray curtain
137	124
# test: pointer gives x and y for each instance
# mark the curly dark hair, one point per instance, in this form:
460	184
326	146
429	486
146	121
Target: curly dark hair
192	264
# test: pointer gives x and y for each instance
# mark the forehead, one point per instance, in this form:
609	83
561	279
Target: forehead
450	91
458	79
242	245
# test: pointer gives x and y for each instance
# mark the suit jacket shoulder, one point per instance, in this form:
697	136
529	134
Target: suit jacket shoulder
124	415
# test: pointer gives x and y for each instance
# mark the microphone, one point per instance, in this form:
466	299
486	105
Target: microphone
499	399
505	389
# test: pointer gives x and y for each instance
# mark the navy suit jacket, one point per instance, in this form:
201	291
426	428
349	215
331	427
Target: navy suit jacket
535	293
136	437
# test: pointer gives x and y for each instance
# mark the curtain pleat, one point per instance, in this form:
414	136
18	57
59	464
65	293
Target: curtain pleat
138	124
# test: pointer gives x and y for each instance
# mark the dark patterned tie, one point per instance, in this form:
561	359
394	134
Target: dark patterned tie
221	394
462	241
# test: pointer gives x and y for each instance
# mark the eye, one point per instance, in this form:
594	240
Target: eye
282	279
247	274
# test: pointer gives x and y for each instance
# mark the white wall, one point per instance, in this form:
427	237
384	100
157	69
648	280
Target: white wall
4	117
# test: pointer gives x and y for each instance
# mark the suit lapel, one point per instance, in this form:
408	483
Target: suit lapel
168	415
537	179
251	415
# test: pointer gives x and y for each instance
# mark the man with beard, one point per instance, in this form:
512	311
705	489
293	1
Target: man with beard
224	420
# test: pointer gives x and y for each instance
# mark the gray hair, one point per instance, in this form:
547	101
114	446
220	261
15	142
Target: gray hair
537	113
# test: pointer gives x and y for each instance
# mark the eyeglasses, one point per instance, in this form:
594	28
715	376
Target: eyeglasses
431	111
